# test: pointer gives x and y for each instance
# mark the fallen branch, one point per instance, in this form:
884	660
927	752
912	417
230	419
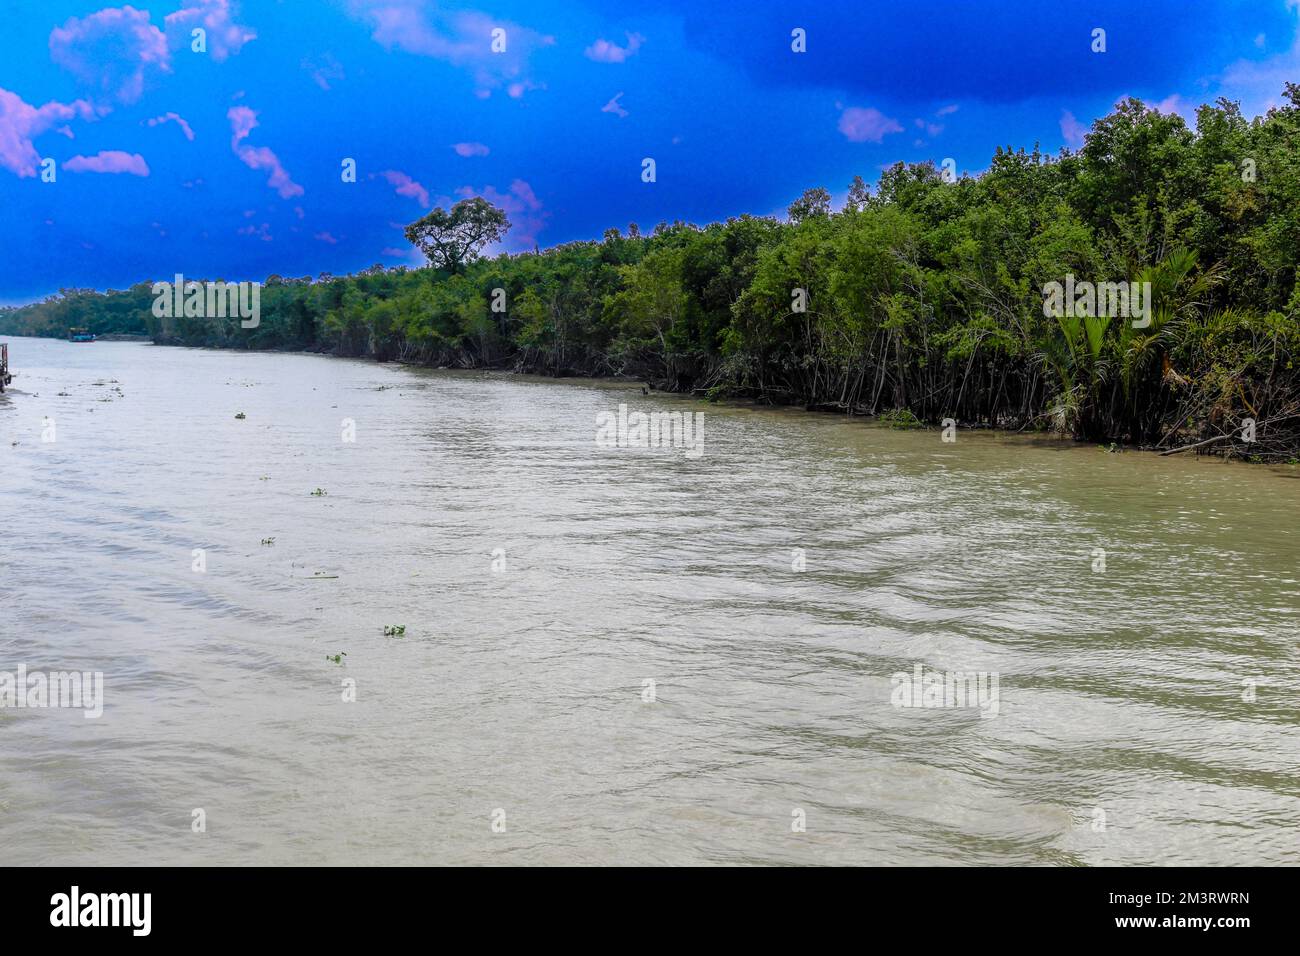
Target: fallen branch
1199	444
1219	438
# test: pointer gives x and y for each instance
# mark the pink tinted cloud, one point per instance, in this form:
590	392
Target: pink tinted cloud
20	123
1176	104
224	36
326	237
406	186
262	232
614	106
109	161
603	51
462	38
1072	129
242	122
113	50
470	149
173	118
518	89
861	125
522	207
410	255
324	71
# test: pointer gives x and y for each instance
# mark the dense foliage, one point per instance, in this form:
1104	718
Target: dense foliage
925	295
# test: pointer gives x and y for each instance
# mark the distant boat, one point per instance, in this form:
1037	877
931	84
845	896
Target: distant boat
80	335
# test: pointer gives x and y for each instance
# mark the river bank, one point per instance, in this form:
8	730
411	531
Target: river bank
1236	444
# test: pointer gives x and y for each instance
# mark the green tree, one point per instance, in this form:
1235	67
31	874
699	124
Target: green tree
451	239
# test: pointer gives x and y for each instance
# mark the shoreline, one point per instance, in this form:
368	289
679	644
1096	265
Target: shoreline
738	401
1113	447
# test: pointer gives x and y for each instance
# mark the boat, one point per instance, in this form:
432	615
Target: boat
80	335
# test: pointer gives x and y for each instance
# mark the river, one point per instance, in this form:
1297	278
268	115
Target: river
620	655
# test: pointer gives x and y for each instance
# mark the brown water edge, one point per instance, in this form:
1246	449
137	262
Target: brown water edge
1039	436
1018	438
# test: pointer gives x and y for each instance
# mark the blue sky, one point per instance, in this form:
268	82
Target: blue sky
226	163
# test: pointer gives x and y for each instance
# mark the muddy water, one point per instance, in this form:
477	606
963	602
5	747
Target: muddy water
764	593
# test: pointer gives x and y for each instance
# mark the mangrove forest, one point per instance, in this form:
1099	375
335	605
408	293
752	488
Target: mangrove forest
920	299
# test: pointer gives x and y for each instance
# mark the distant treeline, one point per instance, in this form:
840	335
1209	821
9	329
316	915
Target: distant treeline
924	296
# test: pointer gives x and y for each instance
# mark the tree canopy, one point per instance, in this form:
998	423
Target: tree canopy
451	239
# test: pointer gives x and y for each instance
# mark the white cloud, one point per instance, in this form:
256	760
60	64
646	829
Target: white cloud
461	38
224	37
861	125
113	50
1072	129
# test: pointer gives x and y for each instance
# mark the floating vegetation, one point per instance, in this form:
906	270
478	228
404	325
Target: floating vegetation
394	630
268	541
901	419
336	658
319	493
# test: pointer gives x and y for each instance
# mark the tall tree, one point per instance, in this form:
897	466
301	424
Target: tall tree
451	239
814	202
